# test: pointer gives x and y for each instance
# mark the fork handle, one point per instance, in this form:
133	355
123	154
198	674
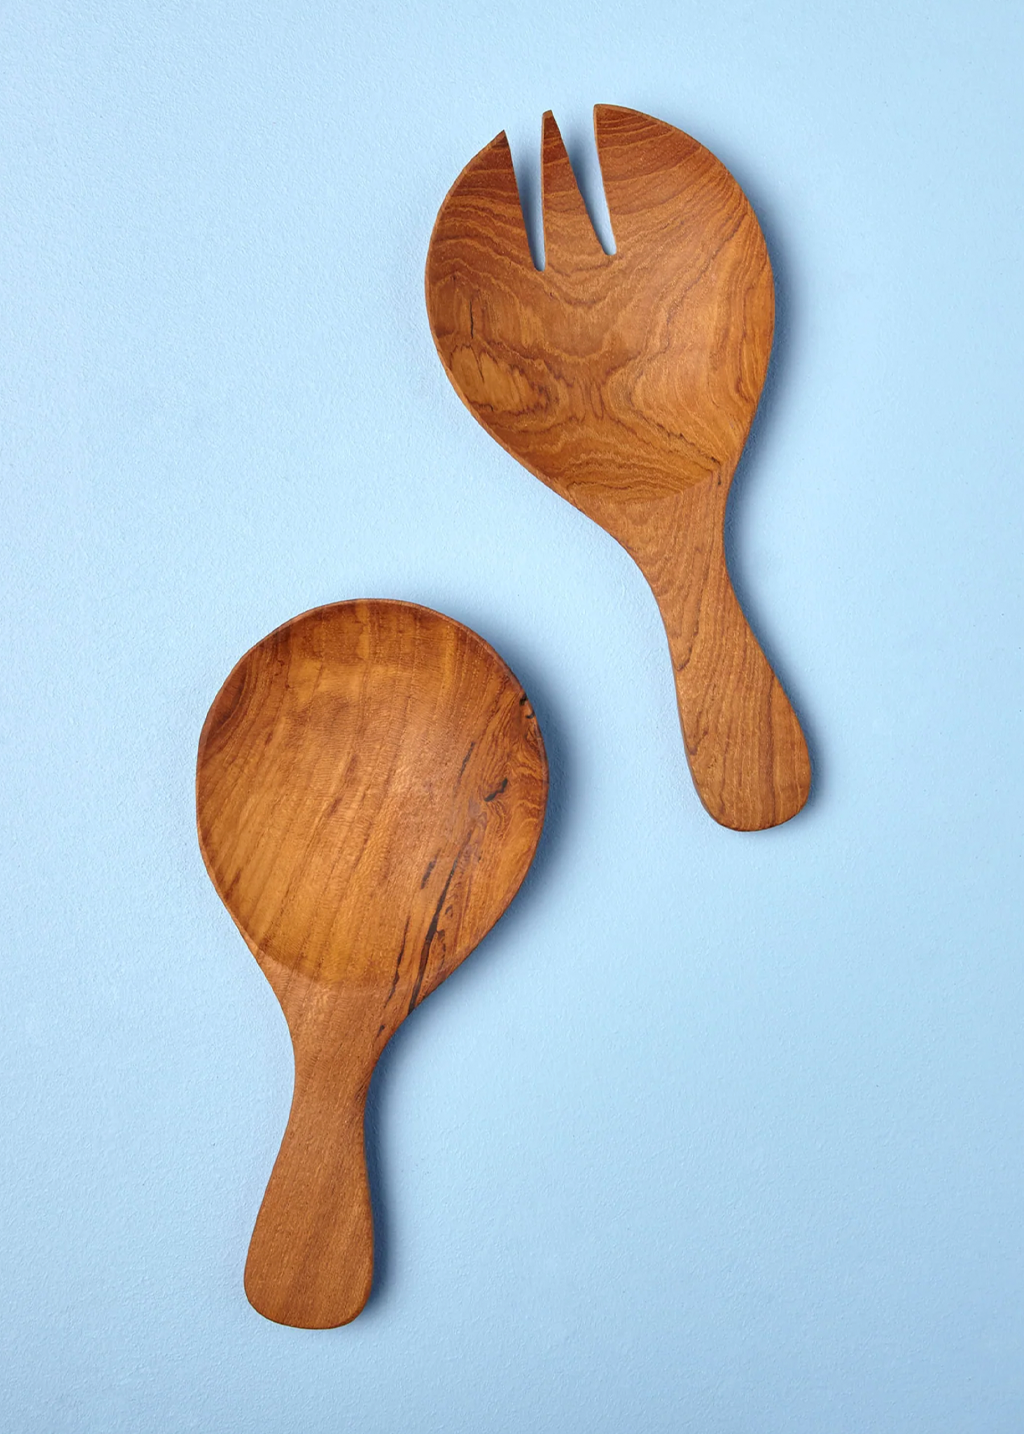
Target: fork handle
747	754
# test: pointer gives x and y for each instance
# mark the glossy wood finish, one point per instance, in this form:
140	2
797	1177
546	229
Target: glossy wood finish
371	787
628	383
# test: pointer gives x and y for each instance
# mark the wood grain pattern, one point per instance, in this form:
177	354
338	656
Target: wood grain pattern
370	791
628	383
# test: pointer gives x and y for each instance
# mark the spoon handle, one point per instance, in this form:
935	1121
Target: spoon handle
310	1261
747	754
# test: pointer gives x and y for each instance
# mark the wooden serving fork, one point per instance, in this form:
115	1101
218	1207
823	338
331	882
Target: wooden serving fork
628	383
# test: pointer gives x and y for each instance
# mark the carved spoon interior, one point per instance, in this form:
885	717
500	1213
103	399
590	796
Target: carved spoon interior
370	789
628	383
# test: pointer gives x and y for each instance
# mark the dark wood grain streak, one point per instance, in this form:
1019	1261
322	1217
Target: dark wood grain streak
370	784
628	383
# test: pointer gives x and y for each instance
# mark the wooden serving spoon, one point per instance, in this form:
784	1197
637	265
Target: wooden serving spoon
370	792
628	383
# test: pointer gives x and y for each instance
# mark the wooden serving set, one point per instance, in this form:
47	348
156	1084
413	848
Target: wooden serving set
371	781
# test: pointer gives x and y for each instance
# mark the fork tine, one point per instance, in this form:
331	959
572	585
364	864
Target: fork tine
483	205
645	163
569	238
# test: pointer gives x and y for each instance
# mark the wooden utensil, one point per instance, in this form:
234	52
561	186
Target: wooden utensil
628	383
370	792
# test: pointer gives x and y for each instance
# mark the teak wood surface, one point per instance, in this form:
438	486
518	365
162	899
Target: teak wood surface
370	788
628	383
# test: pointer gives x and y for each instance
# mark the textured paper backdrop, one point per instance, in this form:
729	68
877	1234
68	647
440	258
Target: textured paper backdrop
717	1133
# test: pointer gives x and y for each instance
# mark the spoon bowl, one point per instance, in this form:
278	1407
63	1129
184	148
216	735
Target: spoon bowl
370	788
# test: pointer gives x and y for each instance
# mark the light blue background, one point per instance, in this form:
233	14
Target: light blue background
716	1132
